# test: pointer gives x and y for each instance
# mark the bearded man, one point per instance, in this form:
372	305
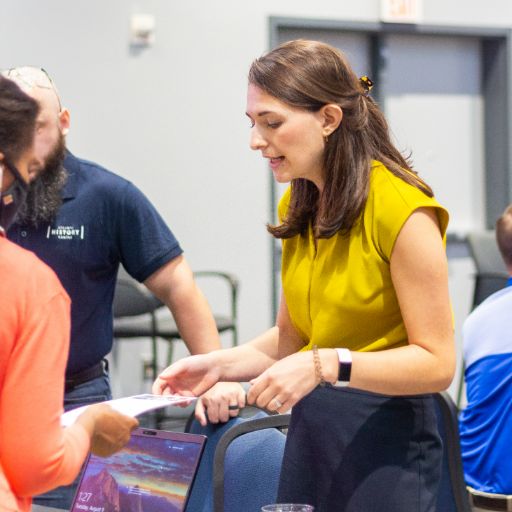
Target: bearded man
83	221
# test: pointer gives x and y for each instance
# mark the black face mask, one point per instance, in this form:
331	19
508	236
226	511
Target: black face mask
12	198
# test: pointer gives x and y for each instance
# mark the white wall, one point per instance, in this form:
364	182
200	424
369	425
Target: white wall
171	117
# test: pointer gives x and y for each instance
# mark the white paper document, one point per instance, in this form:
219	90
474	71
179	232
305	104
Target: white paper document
132	405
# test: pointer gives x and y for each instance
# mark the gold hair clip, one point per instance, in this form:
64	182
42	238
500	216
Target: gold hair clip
367	84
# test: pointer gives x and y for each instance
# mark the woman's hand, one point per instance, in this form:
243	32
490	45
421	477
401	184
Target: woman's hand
223	401
287	381
190	376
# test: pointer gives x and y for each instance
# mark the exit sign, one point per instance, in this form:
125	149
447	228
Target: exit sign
401	11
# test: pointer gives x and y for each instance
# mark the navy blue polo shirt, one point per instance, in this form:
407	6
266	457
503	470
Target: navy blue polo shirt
104	220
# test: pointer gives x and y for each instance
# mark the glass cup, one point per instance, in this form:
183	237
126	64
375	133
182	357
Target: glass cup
288	507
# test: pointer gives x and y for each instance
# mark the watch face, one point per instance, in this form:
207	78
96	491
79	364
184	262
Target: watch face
345	365
344	371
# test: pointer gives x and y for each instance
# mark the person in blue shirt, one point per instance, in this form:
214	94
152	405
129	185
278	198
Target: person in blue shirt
84	221
486	422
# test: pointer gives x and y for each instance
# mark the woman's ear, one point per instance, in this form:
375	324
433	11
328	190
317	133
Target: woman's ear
332	116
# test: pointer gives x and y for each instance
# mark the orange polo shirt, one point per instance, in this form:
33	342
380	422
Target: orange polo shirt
36	453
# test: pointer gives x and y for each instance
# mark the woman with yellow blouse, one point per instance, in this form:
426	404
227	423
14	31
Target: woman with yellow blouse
364	330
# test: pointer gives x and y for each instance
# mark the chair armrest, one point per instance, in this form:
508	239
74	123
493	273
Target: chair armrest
230	278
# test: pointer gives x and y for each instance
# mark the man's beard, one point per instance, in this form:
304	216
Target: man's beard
44	195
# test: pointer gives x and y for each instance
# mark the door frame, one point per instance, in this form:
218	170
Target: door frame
496	54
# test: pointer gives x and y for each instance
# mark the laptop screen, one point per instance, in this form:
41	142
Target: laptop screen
152	473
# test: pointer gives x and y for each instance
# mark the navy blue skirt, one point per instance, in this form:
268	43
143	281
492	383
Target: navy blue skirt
352	451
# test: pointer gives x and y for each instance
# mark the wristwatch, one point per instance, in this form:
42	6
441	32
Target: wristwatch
344	367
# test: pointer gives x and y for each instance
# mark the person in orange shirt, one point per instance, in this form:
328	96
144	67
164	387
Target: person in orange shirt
36	453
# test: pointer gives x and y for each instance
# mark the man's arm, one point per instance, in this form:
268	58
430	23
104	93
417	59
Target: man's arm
174	285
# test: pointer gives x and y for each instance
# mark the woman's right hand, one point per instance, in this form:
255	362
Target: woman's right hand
109	429
191	376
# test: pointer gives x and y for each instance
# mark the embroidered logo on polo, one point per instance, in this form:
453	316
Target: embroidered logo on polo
66	232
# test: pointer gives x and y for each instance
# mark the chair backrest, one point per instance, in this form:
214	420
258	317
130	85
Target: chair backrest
247	465
491	273
131	298
452	495
241	464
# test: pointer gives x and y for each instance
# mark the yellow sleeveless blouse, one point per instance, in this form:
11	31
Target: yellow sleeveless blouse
339	293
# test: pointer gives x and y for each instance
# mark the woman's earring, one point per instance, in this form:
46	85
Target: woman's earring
326	138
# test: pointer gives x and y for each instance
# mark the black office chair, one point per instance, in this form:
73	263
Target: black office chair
491	273
453	495
139	314
134	311
227	322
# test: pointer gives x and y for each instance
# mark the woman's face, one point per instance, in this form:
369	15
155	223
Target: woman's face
291	138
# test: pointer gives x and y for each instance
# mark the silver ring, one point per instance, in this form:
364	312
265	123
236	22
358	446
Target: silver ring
278	403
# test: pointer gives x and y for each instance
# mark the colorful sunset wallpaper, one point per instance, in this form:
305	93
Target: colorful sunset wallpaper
148	475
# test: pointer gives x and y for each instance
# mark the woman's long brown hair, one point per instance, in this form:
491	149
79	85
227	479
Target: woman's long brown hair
308	75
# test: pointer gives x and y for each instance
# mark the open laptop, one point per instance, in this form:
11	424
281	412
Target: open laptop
154	472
